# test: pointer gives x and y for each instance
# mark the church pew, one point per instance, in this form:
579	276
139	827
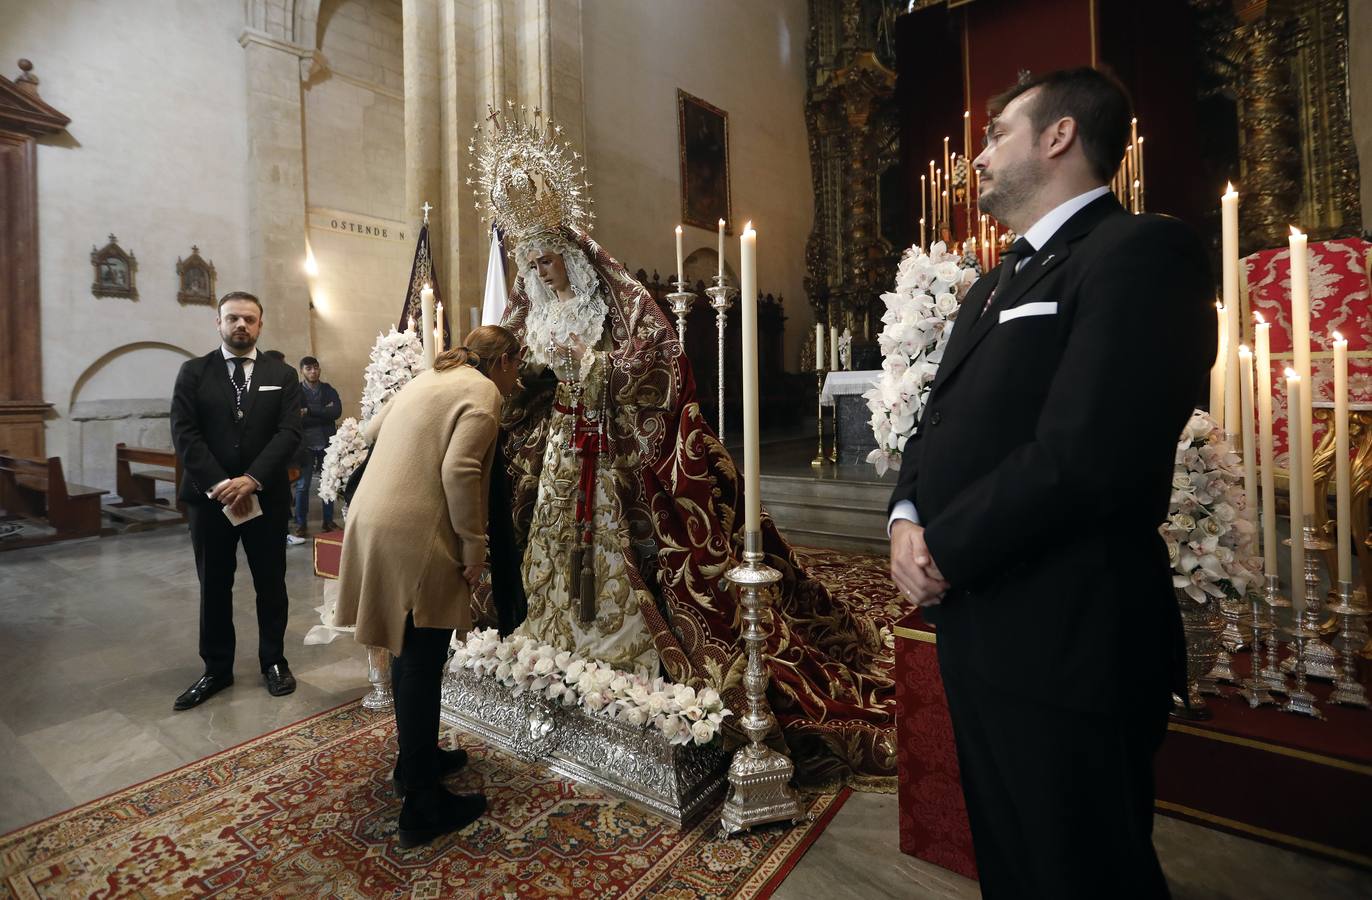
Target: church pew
139	488
38	489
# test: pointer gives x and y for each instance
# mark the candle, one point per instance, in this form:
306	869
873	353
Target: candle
922	244
1262	337
947	160
1300	342
967	133
1217	370
923	210
680	266
1250	457
1142	180
721	251
1297	463
752	489
476	318
411	322
819	347
833	349
1342	482
426	310
933	197
1233	333
438	329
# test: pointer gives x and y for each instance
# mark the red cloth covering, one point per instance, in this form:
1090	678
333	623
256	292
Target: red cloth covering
1340	300
831	686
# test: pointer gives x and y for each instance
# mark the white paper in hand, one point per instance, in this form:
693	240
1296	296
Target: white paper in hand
254	510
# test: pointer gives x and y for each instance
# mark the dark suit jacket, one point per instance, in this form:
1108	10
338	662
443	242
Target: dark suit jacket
213	444
1042	465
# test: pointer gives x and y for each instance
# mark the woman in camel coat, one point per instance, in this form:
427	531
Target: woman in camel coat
414	547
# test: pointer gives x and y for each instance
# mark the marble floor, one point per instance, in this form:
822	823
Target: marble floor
98	636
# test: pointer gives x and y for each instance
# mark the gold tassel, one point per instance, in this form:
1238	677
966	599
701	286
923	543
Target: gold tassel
588	586
574	574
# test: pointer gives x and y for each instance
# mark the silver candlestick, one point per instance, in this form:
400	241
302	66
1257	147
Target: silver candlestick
1300	700
681	306
759	777
819	459
1274	600
1255	689
1347	689
379	674
833	451
1320	659
721	298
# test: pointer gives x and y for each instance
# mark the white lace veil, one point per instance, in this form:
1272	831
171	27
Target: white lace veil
551	320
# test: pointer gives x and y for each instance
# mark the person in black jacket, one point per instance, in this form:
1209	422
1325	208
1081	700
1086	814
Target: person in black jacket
319	410
1025	519
235	422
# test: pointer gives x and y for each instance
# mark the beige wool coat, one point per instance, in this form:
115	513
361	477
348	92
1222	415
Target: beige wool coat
419	514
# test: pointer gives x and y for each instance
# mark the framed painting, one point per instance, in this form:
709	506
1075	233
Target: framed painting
703	132
115	271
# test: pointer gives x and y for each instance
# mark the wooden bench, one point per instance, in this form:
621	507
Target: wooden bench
38	489
139	488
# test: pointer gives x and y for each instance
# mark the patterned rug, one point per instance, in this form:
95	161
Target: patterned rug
307	811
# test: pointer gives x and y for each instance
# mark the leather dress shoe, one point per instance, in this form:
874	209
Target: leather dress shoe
280	681
449	761
434	812
206	687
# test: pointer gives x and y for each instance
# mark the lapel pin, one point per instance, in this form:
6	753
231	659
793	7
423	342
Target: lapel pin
1049	259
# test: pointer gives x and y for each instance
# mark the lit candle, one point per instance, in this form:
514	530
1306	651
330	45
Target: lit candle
1293	401
933	198
967	133
752	489
426	312
923	210
1217	370
1262	337
1233	329
833	349
680	266
721	251
922	244
1298	419
1342	482
1250	457
438	329
947	160
819	347
411	322
1142	181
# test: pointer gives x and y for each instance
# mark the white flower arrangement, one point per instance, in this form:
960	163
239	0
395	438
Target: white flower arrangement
678	711
1209	532
396	358
919	320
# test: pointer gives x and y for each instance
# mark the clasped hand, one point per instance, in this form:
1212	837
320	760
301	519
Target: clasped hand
912	565
236	493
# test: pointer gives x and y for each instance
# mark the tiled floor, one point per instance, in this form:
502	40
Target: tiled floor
97	637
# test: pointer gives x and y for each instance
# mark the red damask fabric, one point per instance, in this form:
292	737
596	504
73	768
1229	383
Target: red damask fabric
831	686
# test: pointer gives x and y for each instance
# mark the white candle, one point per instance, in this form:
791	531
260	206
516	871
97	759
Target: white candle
923	209
1293	401
1262	337
819	347
426	311
721	251
1250	456
833	349
680	265
439	346
752	489
1233	330
1342	482
1217	370
1298	421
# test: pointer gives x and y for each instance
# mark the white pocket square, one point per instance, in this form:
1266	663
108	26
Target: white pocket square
277	387
1043	308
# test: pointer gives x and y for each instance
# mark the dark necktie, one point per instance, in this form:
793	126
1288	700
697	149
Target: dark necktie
1009	262
240	382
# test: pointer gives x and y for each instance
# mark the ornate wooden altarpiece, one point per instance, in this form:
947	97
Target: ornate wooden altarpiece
24	118
1283	66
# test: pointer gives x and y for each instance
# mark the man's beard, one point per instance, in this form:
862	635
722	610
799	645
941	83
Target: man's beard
1011	189
240	340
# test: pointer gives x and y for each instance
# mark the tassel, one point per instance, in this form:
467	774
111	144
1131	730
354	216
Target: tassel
574	575
588	587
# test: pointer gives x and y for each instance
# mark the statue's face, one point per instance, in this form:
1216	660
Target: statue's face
550	268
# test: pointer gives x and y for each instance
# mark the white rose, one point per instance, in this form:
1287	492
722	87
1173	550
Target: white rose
702	732
709	698
634	716
595	700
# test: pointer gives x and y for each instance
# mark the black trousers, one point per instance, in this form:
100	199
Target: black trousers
1060	801
216	559
416	683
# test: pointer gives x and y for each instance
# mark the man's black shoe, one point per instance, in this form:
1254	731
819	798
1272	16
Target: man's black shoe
449	761
205	688
431	813
280	681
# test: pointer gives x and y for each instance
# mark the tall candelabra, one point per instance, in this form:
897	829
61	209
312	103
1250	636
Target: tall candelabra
1347	689
1271	673
1319	658
819	459
759	777
1255	689
721	298
681	306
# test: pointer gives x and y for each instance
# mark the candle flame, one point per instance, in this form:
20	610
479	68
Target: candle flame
1338	338
721	223
1296	232
1261	320
967	114
678	229
1244	351
1291	374
748	226
1228	188
1219	305
426	286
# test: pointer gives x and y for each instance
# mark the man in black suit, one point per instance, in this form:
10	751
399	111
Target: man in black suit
1025	518
235	421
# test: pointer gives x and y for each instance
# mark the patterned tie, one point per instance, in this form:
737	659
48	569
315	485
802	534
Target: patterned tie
1009	262
240	382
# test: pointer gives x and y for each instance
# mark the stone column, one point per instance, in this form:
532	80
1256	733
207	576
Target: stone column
423	137
276	190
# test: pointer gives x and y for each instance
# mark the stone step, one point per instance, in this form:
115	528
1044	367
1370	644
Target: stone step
841	515
859	494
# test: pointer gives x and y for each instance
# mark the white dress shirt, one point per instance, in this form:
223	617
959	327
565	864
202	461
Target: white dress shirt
1040	233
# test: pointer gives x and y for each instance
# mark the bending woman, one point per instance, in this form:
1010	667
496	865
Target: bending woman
416	545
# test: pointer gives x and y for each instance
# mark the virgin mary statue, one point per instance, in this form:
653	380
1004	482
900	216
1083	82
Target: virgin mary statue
628	508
